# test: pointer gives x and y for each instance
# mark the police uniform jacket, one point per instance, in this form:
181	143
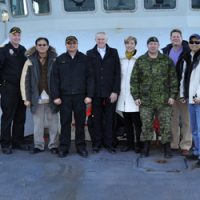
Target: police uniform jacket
106	70
154	80
72	76
31	75
11	63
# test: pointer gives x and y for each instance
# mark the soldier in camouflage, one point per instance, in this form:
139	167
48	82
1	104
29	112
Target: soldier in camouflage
154	88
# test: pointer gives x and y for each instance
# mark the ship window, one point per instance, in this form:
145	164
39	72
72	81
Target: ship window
159	4
196	4
41	6
18	8
111	5
2	1
79	5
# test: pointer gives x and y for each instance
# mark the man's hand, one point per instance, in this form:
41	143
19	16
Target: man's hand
171	101
196	100
27	103
182	100
113	97
57	101
87	100
138	102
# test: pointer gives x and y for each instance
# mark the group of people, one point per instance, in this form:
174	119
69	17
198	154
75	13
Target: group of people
158	85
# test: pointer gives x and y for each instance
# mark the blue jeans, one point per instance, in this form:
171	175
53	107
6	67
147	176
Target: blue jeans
194	110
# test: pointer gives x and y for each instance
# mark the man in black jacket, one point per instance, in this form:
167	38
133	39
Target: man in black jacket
181	133
12	60
106	64
72	85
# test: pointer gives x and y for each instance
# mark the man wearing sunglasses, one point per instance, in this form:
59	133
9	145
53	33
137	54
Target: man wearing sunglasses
35	91
191	90
181	134
12	59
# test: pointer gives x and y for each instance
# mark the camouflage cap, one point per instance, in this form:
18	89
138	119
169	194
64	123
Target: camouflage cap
15	30
152	39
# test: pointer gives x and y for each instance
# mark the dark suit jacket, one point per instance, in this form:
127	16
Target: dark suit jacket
106	70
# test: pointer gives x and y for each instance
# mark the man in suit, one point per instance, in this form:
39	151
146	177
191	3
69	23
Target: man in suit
106	65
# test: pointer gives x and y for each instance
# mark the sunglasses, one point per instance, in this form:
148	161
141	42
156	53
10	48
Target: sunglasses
44	45
194	42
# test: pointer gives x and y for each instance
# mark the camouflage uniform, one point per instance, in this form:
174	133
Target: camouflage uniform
153	81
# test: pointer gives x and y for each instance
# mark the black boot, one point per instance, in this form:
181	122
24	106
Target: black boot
146	149
137	147
167	150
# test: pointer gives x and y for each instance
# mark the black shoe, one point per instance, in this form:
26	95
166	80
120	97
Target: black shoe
36	150
21	147
54	150
110	149
192	157
96	149
175	149
6	150
197	164
82	152
62	153
146	149
138	147
167	150
126	148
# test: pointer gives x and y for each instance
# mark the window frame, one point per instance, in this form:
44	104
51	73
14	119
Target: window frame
117	11
194	9
19	16
42	14
3	1
160	8
82	11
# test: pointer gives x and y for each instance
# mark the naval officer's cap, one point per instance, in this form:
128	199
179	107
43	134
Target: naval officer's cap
15	29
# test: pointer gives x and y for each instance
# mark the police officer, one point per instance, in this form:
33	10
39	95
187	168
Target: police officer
154	87
12	59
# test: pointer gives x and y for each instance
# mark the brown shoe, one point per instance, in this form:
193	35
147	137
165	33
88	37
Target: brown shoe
185	152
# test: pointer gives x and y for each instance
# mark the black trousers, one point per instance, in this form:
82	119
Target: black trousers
13	115
75	104
133	127
103	112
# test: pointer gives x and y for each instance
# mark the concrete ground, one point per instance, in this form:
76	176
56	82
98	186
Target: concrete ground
102	176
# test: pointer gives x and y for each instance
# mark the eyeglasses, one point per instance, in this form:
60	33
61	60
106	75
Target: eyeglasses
194	42
44	45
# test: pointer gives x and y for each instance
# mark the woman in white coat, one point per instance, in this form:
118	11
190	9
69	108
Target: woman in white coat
126	103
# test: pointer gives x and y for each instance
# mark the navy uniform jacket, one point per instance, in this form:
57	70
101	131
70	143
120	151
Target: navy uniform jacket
11	63
72	76
107	71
